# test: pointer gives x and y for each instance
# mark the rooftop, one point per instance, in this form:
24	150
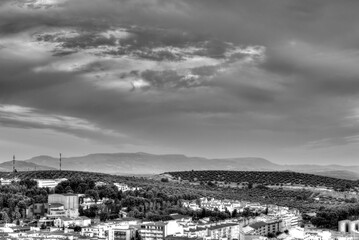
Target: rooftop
55	205
154	224
222	226
258	225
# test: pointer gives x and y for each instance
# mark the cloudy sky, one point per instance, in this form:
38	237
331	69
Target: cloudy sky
231	78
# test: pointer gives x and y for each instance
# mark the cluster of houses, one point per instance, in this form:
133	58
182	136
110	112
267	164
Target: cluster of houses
181	227
231	205
59	217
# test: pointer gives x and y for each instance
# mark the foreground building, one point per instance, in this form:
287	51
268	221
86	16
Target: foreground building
63	205
228	231
264	228
159	230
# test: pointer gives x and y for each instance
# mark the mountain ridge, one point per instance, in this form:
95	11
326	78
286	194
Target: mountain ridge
146	163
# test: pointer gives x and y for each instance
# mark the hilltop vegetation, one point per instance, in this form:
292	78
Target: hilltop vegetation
53	174
265	178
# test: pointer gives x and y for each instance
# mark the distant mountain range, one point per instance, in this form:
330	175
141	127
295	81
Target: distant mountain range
145	163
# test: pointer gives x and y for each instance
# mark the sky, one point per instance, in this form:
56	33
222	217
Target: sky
218	79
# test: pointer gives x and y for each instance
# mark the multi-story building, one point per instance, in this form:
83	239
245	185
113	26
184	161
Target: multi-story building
98	231
56	210
121	232
70	203
78	221
86	203
159	230
153	231
199	232
228	231
296	220
264	228
223	230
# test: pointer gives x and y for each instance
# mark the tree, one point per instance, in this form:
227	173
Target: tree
103	216
77	229
227	212
59	189
5	216
271	235
68	189
92	194
234	213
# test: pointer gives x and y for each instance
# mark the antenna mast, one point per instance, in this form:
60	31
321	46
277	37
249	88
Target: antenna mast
13	167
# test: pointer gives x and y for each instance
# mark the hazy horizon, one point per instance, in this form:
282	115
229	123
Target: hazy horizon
179	154
216	79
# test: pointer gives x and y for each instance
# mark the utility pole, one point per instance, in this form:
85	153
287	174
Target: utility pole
60	161
13	166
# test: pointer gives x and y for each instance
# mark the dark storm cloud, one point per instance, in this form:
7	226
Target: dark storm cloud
304	87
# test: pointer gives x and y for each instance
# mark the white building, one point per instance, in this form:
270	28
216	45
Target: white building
98	231
49	183
123	232
122	187
7	181
77	221
159	230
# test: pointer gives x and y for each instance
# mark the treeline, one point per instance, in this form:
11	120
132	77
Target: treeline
329	217
16	197
265	178
54	174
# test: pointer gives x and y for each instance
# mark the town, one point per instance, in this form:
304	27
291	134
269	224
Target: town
61	217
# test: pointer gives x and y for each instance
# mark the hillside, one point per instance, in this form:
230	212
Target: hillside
23	166
53	174
265	178
341	174
145	163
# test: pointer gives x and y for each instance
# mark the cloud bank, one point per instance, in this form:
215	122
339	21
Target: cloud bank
234	78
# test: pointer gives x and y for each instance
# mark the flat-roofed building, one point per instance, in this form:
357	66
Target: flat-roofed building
264	228
70	203
228	231
159	230
49	183
77	221
121	232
